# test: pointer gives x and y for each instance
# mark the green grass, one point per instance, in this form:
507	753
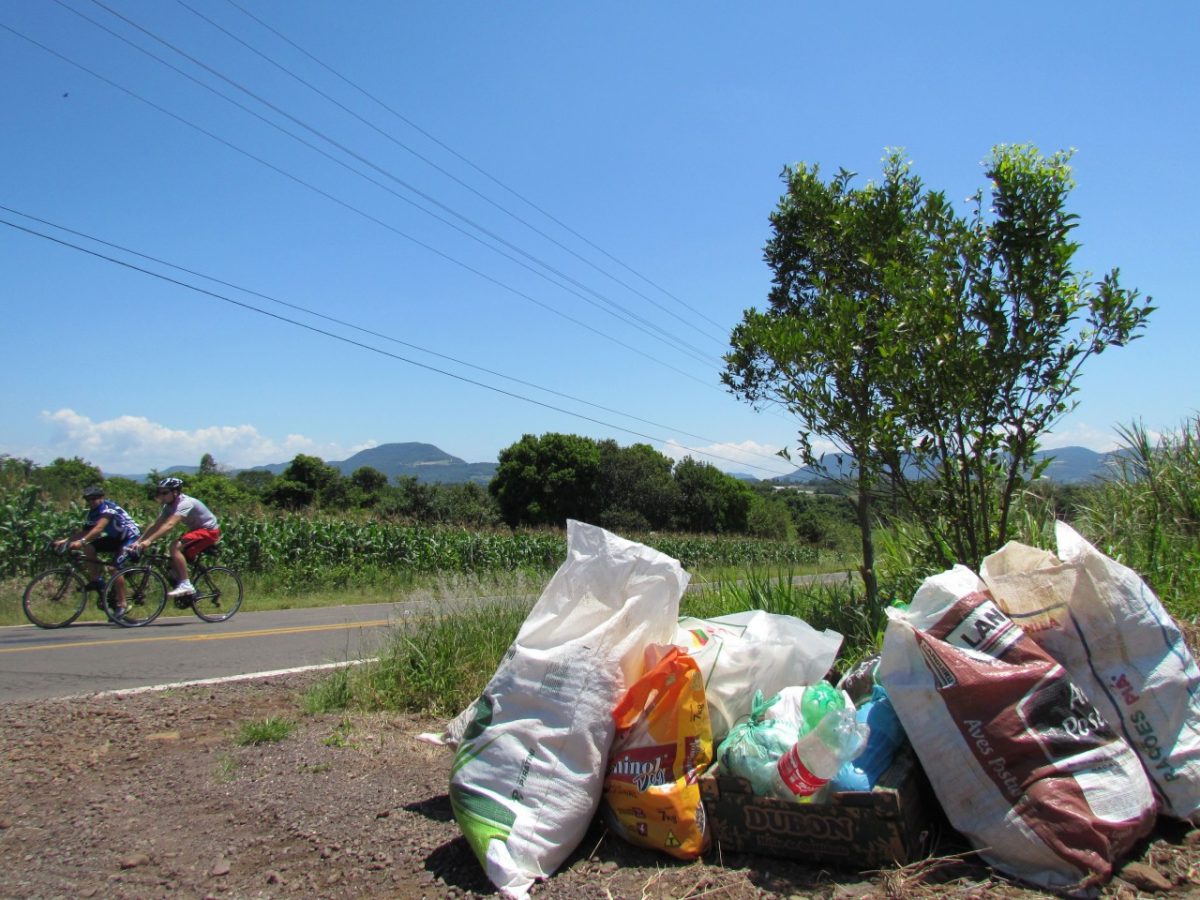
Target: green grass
440	664
341	736
226	769
264	731
436	664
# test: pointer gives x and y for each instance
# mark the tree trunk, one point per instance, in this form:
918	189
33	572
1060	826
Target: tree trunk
862	506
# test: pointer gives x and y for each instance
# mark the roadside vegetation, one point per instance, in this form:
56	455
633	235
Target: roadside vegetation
390	542
264	731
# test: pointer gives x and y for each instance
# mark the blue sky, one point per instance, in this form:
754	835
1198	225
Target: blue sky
652	134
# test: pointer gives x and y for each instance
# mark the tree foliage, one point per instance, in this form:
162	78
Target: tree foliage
66	478
933	348
635	489
547	480
710	500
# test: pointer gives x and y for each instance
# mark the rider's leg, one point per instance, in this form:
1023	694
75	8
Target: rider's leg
91	561
178	563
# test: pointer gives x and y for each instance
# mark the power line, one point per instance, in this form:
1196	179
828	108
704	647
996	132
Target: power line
359	328
351	207
448	174
364	346
476	167
699	354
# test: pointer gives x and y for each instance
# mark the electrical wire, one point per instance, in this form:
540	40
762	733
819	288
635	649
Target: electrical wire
362	329
646	323
354	209
364	346
474	166
448	174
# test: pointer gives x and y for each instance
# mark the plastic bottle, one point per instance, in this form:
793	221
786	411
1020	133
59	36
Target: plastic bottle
887	736
817	700
816	757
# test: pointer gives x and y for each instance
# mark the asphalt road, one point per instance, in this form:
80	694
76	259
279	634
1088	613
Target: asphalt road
80	659
83	658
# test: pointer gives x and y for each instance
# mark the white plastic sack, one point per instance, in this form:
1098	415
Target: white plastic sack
1100	620
529	770
1024	766
756	650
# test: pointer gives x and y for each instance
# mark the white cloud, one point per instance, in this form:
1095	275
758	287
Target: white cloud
134	444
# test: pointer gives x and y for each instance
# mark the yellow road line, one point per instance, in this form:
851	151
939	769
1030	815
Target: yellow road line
220	636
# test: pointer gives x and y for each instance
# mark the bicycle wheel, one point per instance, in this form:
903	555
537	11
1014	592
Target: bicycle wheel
145	597
218	594
55	598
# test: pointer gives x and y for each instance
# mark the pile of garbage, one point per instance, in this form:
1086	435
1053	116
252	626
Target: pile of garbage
1050	700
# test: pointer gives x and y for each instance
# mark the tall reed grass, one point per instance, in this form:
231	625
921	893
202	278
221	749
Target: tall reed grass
1147	514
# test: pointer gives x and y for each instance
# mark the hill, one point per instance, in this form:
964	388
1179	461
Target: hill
425	462
1068	465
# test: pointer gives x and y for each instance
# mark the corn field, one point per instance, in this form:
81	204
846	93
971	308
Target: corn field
294	550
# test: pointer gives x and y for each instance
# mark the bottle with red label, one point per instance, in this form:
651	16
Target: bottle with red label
816	757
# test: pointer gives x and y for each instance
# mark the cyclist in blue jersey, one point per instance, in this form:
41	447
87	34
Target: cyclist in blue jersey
106	528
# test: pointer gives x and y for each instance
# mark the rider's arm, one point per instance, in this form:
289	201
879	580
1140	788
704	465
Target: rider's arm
91	534
157	530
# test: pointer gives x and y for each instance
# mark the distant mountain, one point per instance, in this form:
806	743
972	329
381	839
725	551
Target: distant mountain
1068	465
1077	465
425	462
833	465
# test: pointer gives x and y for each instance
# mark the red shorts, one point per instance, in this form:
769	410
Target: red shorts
196	541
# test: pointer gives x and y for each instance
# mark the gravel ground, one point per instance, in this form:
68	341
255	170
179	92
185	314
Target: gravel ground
150	795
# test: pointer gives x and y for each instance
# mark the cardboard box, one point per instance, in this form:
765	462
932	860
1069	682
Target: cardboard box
854	830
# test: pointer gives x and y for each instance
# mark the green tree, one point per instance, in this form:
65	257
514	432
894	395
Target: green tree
710	500
208	465
65	478
288	494
218	491
467	504
304	482
411	499
635	489
15	472
934	349
368	479
254	481
845	264
769	517
546	480
993	361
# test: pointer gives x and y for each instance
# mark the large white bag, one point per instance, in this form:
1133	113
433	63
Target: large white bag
1024	766
756	650
528	773
1100	620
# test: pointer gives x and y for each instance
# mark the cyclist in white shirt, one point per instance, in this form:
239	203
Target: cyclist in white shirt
202	532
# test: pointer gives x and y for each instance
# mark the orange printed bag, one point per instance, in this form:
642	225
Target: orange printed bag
662	746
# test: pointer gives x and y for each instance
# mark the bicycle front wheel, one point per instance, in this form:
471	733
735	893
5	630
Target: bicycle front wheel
145	597
54	598
218	594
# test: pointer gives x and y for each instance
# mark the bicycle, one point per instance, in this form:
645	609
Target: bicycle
217	597
57	597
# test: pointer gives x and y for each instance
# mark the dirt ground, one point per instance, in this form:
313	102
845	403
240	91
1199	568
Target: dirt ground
149	795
